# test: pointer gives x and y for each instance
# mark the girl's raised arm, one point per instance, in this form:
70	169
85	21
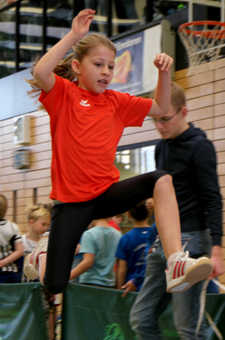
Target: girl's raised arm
162	98
43	71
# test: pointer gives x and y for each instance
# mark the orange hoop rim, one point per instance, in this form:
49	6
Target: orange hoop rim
219	34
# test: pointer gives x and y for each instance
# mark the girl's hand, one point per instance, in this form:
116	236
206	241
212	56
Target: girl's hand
163	61
81	23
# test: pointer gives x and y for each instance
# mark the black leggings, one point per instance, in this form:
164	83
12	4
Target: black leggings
70	220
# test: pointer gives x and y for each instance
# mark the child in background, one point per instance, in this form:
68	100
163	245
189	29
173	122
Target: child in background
135	282
89	120
115	221
98	247
39	219
76	260
11	247
131	250
50	302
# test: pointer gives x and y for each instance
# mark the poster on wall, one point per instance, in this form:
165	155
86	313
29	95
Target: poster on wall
134	71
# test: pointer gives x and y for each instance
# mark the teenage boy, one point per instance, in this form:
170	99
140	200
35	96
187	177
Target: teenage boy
187	155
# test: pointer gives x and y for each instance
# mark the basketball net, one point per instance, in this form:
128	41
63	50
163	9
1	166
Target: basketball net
203	45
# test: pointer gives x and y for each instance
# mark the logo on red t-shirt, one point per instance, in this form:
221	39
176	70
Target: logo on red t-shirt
84	102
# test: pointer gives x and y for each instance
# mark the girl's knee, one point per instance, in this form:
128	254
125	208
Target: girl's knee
164	181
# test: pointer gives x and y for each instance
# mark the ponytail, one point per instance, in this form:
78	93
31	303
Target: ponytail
63	69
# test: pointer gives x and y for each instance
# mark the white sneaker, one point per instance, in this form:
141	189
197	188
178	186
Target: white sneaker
184	272
31	265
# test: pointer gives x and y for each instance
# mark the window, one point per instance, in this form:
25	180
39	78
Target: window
135	159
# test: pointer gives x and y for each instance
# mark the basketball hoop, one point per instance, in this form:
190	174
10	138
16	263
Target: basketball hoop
203	41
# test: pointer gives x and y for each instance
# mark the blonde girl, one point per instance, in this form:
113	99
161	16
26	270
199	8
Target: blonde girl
38	218
87	122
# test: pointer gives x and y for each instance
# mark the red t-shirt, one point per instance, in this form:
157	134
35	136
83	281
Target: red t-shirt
85	129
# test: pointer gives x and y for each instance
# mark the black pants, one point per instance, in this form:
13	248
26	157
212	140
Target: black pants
70	220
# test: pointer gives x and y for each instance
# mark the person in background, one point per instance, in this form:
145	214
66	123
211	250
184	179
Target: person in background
38	218
136	281
76	260
189	157
11	247
125	9
115	221
98	247
131	249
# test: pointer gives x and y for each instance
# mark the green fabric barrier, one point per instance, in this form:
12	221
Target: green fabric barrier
21	312
94	313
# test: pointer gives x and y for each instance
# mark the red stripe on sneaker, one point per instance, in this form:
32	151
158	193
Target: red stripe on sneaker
179	269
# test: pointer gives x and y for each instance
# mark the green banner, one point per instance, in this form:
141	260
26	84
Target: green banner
100	313
88	313
21	312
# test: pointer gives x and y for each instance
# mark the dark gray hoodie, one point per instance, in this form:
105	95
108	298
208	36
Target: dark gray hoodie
191	160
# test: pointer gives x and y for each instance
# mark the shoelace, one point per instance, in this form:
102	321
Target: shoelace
202	310
183	255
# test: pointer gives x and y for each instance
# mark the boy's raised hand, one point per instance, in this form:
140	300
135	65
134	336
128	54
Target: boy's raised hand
163	61
81	23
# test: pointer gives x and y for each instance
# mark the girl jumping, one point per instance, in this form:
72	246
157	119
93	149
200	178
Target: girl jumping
87	122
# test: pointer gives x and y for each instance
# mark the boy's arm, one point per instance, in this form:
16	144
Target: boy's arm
17	253
205	165
132	285
83	266
161	102
43	71
121	273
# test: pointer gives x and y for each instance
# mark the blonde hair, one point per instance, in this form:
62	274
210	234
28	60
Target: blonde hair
64	69
3	206
35	212
178	99
83	47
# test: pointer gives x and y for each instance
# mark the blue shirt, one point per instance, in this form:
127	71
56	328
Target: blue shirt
132	249
151	237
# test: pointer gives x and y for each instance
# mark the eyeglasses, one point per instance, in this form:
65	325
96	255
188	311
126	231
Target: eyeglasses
164	120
